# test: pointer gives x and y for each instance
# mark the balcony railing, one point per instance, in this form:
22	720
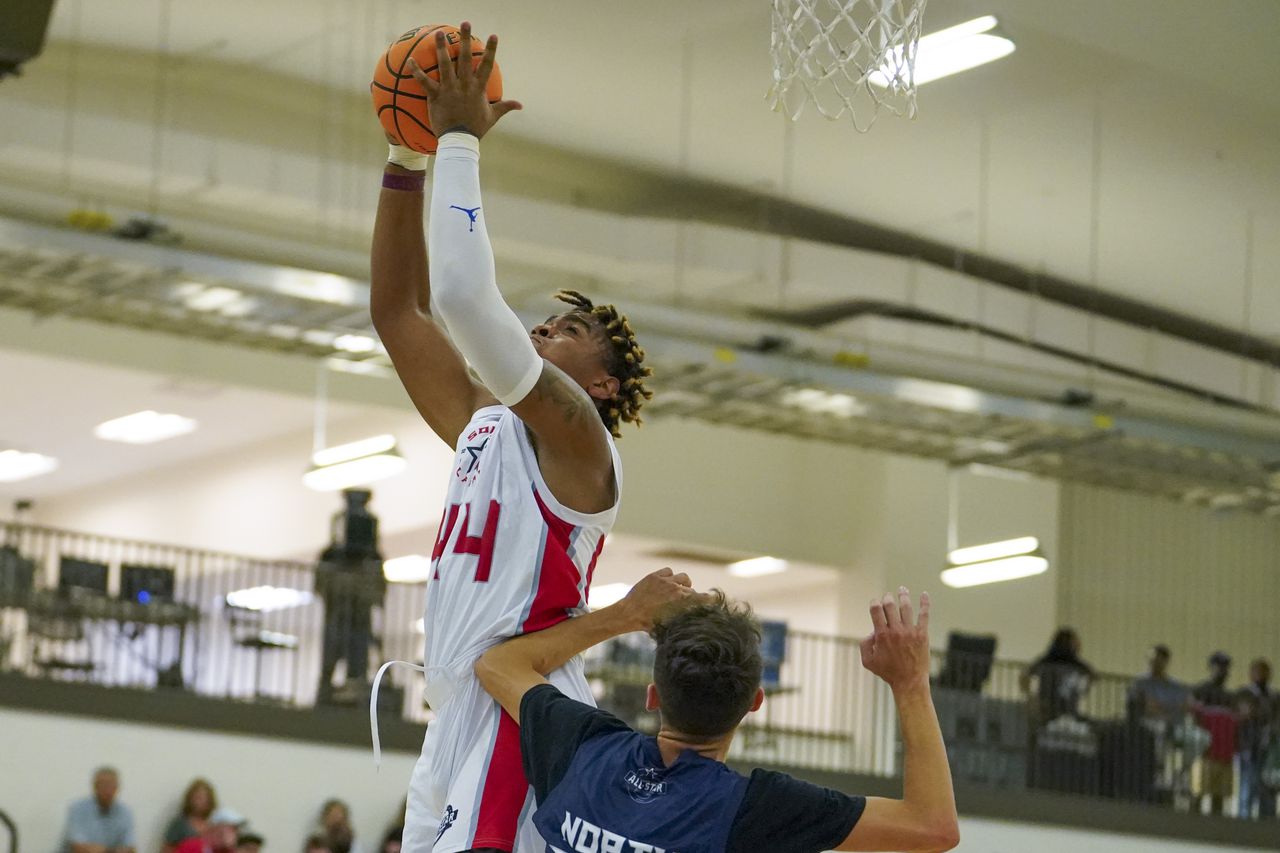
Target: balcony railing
109	611
80	607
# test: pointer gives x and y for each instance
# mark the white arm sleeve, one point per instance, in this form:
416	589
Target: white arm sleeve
464	287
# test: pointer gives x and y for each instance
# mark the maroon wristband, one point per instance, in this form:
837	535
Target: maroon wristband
408	183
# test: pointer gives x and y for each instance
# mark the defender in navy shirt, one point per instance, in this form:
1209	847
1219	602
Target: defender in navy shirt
594	777
601	787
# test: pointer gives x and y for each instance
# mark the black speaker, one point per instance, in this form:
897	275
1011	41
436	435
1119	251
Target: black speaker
84	575
23	24
17	575
968	662
145	584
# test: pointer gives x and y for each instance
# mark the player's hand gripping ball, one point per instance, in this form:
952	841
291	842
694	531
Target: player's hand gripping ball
398	99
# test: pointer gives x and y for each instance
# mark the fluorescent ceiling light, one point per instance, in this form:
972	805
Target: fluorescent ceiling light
215	299
354	450
318	337
355	343
355	464
957	398
606	594
361	368
948	52
994	550
317	286
144	427
823	402
985	446
16	465
757	566
413	568
998	473
991	571
357	472
278	640
267	598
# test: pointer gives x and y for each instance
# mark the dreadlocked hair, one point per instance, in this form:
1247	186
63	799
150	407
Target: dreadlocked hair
625	362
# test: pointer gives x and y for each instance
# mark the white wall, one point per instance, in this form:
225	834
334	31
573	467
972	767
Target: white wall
279	785
743	490
252	501
1140	570
993	836
1021	613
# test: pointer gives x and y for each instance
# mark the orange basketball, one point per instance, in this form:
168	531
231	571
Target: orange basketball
398	99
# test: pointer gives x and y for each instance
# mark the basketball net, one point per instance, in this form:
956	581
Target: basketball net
854	57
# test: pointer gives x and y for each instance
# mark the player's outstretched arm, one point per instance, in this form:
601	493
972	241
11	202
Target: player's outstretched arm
511	669
573	444
924	820
430	368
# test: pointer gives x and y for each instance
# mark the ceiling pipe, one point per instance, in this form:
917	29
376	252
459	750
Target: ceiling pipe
714	202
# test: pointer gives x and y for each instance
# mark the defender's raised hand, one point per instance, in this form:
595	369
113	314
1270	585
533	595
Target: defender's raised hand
457	101
654	595
898	648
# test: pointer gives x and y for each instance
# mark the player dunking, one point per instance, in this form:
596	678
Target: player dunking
536	477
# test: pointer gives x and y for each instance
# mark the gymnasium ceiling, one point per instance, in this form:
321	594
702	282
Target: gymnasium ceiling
1117	145
1186	94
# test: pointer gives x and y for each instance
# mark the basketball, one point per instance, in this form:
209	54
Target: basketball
399	101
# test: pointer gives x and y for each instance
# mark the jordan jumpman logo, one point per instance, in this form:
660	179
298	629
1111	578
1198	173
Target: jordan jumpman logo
471	212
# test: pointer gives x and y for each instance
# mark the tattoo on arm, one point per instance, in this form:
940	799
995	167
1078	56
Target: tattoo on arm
555	388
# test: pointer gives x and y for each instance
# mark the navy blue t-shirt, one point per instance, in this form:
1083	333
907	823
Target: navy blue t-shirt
602	786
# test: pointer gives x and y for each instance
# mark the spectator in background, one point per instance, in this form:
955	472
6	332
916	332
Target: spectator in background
316	843
1213	691
1213	774
1260	712
100	824
393	840
350	582
248	841
198	803
335	827
1156	706
1062	678
221	834
1155	698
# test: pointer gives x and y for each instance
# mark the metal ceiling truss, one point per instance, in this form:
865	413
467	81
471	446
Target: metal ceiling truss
64	273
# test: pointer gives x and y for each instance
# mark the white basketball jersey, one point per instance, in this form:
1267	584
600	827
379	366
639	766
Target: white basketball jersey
509	558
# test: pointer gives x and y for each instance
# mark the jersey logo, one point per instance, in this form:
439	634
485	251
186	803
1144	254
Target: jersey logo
469	454
474	452
450	815
471	212
645	785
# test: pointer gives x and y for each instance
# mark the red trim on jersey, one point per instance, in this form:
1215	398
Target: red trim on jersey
557	575
561	530
591	567
504	791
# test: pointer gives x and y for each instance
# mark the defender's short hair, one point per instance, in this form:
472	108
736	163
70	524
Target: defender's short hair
708	665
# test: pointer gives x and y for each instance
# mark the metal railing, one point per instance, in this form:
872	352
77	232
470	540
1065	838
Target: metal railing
1006	725
107	611
89	608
